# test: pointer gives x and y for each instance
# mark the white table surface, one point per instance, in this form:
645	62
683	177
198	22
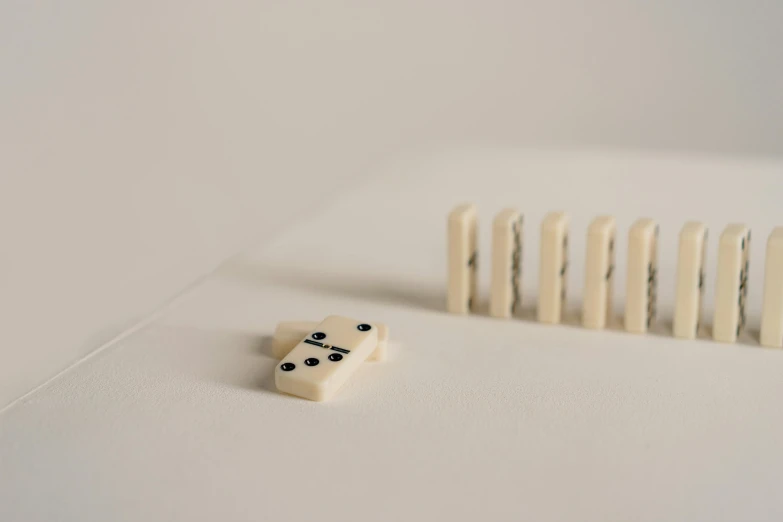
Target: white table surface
472	418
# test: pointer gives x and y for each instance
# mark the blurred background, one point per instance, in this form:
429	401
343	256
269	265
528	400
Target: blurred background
143	143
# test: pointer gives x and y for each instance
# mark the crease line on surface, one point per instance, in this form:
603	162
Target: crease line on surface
172	301
140	325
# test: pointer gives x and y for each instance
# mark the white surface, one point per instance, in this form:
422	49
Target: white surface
143	142
472	418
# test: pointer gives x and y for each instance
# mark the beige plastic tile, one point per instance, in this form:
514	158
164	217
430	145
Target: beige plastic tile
642	276
505	296
463	259
599	273
689	293
290	333
732	283
772	308
318	366
553	269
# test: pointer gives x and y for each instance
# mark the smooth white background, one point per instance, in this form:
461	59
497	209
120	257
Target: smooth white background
472	417
141	143
144	143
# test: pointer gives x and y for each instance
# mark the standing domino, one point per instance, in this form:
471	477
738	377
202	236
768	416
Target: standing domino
732	288
290	333
554	268
463	259
690	280
772	311
506	263
321	363
599	273
642	282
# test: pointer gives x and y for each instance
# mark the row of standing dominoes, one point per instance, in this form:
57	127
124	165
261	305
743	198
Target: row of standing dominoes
642	274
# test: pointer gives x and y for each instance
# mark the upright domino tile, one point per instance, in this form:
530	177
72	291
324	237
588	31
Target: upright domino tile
732	286
690	280
290	333
642	277
506	264
553	270
326	358
463	259
599	273
772	308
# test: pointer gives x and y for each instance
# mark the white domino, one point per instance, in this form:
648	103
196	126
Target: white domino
690	280
732	285
326	358
642	280
772	309
463	259
553	270
506	264
290	333
599	273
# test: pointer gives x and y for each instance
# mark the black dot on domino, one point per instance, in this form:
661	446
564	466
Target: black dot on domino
335	357
364	327
287	367
312	361
319	335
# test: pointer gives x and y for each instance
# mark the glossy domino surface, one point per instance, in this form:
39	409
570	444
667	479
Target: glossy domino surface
553	268
599	273
505	295
689	293
321	363
772	307
290	333
732	283
642	276
462	259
